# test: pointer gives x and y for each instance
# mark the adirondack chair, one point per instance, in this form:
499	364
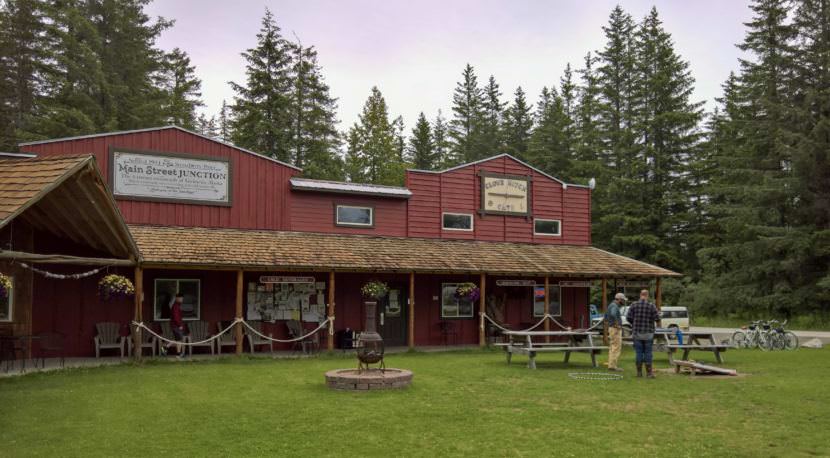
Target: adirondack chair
109	337
307	345
199	330
227	339
254	340
147	341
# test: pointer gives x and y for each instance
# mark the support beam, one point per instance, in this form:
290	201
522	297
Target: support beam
659	295
482	287
605	309
240	287
330	344
410	335
547	306
138	282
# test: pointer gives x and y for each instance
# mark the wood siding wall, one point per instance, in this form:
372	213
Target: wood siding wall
314	212
260	186
459	191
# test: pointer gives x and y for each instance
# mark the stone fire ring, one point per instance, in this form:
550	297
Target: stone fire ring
371	379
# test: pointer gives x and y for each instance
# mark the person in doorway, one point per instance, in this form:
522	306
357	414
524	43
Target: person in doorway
642	316
177	324
613	319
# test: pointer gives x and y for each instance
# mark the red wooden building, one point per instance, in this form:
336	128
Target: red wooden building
244	235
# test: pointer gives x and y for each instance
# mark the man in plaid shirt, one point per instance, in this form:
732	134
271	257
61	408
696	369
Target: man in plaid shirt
642	316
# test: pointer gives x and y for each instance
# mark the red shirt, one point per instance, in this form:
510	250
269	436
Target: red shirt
176	315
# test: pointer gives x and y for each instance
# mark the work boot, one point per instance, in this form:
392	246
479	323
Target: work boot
639	369
650	371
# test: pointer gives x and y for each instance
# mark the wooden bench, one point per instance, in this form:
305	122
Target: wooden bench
717	349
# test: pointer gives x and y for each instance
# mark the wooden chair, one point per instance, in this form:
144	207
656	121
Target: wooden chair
147	341
254	340
51	343
227	339
307	345
109	337
199	330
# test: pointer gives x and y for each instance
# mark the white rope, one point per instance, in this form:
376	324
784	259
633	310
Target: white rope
546	317
296	339
190	344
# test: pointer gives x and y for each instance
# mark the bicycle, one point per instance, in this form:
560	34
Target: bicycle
782	339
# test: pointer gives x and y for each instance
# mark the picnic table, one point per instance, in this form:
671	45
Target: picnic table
521	342
692	340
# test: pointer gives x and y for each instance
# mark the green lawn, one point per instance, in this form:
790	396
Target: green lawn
461	403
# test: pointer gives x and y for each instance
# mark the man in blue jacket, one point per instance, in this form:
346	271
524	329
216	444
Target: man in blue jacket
642	316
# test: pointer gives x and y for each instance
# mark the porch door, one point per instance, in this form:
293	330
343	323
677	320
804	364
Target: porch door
392	323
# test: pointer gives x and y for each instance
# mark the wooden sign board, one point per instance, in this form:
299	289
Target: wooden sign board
284	279
515	283
574	284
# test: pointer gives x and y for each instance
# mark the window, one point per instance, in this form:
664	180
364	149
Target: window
354	216
547	227
451	307
165	293
6	304
457	221
539	301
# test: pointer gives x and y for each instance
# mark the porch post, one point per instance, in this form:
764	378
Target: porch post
483	281
238	329
547	306
604	309
139	296
659	295
411	331
330	344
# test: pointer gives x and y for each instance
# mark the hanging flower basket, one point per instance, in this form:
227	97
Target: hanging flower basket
5	286
468	292
374	290
115	287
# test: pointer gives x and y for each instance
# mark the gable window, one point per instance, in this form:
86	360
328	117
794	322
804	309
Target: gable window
165	294
547	227
6	303
539	301
452	307
457	221
347	215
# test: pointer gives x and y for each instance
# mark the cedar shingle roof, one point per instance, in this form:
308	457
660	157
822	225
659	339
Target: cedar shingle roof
273	250
22	181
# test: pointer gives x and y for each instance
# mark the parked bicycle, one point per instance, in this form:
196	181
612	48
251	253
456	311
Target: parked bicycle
766	335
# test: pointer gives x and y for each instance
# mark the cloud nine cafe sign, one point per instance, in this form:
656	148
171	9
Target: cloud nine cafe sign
169	177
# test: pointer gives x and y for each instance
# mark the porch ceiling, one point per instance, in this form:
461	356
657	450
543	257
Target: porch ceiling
65	196
277	250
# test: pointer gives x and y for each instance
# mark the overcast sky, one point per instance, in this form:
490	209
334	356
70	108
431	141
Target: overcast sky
414	51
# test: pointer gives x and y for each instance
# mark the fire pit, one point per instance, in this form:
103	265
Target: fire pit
370	351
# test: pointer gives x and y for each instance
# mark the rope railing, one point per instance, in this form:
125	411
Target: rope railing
547	316
141	325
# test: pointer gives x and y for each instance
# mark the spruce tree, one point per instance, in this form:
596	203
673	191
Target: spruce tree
373	152
518	124
207	126
182	90
468	116
550	145
314	136
441	142
262	110
492	139
224	123
421	147
587	162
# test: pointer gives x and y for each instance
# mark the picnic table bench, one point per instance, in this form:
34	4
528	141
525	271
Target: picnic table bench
692	340
521	342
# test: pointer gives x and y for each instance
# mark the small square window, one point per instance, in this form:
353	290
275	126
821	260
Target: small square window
165	293
457	221
539	301
451	306
547	227
347	215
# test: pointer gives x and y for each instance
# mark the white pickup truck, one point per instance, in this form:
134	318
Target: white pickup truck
670	317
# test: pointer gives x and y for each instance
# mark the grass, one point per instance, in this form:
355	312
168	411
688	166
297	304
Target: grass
461	403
